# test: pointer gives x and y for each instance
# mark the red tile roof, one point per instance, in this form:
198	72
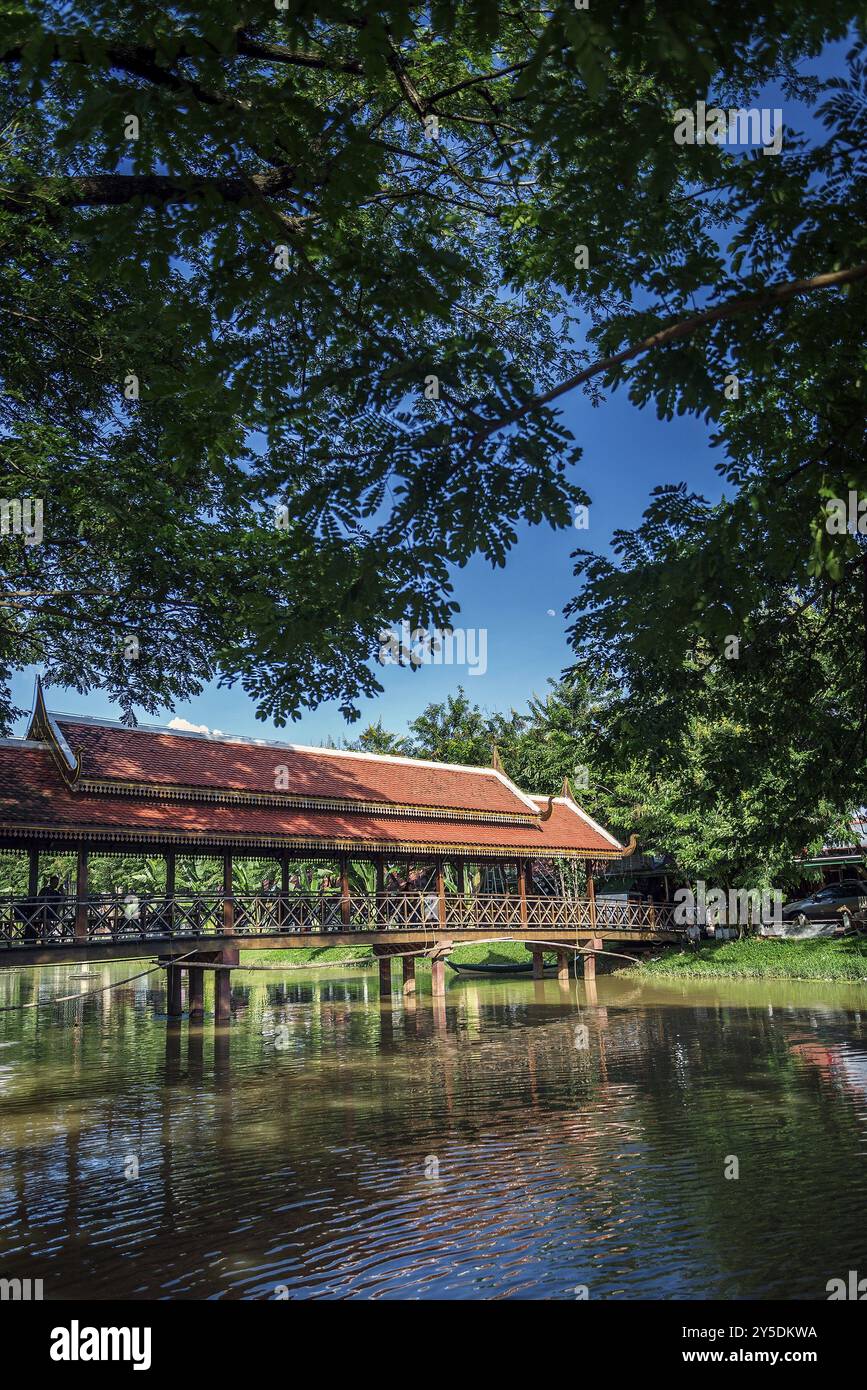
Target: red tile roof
165	758
33	797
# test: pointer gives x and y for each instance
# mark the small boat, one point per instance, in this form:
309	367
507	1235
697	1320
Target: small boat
517	967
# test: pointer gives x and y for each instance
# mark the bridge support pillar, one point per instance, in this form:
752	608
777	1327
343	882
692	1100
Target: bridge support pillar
563	967
174	1007
538	963
385	977
409	974
590	958
196	994
223	987
438	977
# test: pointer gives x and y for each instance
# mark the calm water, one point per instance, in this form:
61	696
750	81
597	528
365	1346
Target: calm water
521	1141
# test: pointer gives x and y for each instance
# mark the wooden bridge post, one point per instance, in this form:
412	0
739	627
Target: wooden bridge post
441	894
385	977
170	887
228	900
379	915
174	1004
591	897
283	914
590	958
345	904
522	889
563	967
408	974
438	977
196	994
81	895
538	963
223	987
32	873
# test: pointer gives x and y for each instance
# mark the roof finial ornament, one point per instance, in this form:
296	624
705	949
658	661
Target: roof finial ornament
44	728
546	814
496	760
566	789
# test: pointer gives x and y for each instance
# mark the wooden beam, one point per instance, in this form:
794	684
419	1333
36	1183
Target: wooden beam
228	903
283	906
385	977
461	877
591	894
81	895
196	994
222	996
441	894
174	1005
170	885
223	987
522	889
438	977
379	913
345	904
32	873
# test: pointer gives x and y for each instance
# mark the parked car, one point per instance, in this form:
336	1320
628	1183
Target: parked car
826	903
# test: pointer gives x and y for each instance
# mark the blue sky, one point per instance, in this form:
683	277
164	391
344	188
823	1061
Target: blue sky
627	452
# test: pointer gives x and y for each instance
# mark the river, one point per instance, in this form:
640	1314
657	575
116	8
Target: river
517	1139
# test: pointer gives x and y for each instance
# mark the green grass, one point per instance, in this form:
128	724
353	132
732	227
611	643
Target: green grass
491	953
843	959
498	953
307	955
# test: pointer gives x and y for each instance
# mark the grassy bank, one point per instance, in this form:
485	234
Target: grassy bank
843	959
307	955
315	955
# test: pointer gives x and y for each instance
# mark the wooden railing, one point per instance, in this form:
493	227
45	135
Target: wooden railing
35	921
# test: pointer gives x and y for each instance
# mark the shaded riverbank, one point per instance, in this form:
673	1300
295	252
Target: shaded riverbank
750	959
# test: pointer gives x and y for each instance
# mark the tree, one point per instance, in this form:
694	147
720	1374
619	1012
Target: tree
737	727
278	291
376	739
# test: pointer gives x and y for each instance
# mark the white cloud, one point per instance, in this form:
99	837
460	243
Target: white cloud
186	727
551	613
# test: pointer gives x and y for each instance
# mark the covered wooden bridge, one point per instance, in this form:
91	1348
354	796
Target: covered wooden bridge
443	853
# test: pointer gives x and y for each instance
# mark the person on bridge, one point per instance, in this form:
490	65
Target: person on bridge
48	914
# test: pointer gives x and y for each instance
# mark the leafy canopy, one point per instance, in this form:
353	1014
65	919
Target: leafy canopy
325	206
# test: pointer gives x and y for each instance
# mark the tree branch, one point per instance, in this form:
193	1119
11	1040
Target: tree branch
144	60
473	81
114	190
683	328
